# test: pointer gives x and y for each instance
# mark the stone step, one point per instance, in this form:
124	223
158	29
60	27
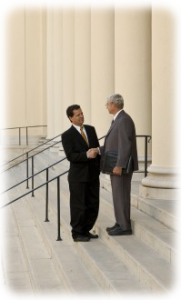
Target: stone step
109	272
141	260
170	240
47	283
54	266
153	233
107	282
143	272
165	211
2	279
12	150
14	263
69	265
11	154
134	263
45	159
147	266
158	236
40	267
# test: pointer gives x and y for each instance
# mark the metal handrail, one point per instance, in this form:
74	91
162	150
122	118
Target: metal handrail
21	127
58	199
30	156
26	153
34	174
147	140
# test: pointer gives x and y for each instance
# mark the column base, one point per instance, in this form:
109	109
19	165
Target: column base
161	183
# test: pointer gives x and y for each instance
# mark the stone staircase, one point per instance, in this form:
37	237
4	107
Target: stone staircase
12	151
34	262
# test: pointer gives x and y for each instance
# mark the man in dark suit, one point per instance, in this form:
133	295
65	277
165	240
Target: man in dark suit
83	174
121	138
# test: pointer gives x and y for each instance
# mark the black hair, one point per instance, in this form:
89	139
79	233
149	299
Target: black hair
70	110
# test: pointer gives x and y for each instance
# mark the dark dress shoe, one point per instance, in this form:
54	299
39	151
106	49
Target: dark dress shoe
81	238
92	236
113	227
119	231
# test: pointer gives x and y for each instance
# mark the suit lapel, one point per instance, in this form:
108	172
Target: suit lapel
79	138
112	126
87	128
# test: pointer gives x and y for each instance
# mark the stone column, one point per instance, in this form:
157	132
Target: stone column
15	80
34	54
2	95
57	66
162	182
83	62
44	67
54	72
50	77
102	67
68	95
25	101
133	67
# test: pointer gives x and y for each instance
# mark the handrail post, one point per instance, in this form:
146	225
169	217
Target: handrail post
46	206
27	170
32	161
58	208
146	154
27	136
19	136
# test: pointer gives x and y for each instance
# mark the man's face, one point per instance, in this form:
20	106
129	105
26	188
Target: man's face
78	117
110	107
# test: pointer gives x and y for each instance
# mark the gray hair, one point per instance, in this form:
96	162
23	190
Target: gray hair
117	99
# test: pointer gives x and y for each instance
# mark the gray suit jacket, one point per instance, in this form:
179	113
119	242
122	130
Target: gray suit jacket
121	137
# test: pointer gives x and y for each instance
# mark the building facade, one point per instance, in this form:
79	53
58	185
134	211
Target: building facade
61	56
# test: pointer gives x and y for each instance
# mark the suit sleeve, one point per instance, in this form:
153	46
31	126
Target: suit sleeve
96	138
71	155
125	133
101	149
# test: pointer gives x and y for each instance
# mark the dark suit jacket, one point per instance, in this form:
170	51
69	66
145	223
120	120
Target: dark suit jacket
121	137
82	169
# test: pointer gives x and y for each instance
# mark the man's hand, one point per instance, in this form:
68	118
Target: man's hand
92	153
117	171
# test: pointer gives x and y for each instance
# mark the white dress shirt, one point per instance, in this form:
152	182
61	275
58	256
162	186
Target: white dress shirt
115	116
78	129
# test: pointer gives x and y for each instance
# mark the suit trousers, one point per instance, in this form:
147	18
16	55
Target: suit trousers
121	190
84	206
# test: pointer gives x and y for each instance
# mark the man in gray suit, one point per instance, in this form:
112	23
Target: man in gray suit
121	138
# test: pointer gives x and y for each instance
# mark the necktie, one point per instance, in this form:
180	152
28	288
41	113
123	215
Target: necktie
83	135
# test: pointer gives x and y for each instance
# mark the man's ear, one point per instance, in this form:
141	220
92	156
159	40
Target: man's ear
70	119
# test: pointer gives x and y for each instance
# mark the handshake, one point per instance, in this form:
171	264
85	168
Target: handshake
92	153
